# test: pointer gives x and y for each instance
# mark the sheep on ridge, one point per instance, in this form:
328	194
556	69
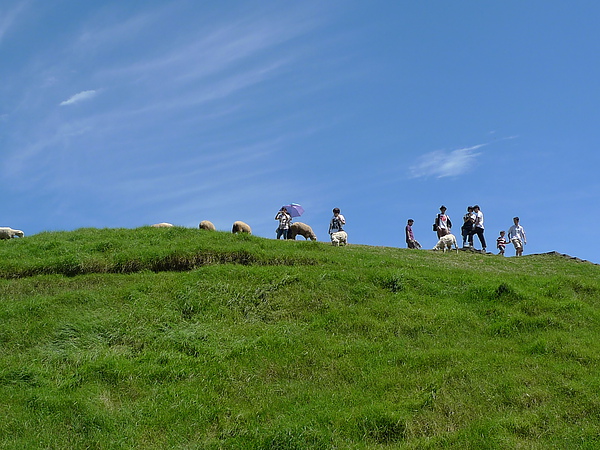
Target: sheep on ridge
8	232
162	225
241	227
446	242
302	229
339	238
207	225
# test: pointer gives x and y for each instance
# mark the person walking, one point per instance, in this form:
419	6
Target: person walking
516	235
284	222
443	224
337	222
411	242
478	226
467	227
501	243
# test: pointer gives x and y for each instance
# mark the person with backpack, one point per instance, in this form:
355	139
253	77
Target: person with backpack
442	224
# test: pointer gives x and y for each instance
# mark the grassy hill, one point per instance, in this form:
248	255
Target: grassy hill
181	338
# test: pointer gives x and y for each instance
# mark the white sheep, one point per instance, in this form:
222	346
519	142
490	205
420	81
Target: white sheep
339	238
162	225
8	232
241	227
446	243
302	229
207	225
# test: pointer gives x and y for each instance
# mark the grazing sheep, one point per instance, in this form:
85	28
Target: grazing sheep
241	227
207	225
7	233
339	238
446	243
162	225
299	228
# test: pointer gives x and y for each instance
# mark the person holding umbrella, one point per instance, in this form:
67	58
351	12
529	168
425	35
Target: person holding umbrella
284	222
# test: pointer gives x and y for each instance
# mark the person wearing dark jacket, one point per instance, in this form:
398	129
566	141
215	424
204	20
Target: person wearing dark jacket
467	227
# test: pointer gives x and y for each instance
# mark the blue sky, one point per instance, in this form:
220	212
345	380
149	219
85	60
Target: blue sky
124	114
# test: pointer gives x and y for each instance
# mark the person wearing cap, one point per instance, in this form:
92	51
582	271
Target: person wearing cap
443	223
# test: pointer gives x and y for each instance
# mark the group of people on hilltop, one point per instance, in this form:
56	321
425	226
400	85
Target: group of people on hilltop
472	226
336	224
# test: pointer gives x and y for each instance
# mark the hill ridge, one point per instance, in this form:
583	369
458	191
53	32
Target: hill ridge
564	255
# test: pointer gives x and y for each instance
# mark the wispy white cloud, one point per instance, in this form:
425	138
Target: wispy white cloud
7	19
190	80
205	54
442	164
35	157
96	37
79	97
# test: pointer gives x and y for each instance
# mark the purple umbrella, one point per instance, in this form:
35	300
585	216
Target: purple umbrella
294	209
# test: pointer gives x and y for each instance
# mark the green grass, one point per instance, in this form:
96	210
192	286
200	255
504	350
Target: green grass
181	338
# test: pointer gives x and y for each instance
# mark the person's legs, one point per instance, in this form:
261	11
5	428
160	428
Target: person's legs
279	232
465	234
518	246
479	233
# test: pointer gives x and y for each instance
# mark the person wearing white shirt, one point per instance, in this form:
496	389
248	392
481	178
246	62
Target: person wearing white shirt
516	235
478	226
443	223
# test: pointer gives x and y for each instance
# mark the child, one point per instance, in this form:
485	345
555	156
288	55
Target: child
501	243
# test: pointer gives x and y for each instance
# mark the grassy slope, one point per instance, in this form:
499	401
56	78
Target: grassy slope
158	338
